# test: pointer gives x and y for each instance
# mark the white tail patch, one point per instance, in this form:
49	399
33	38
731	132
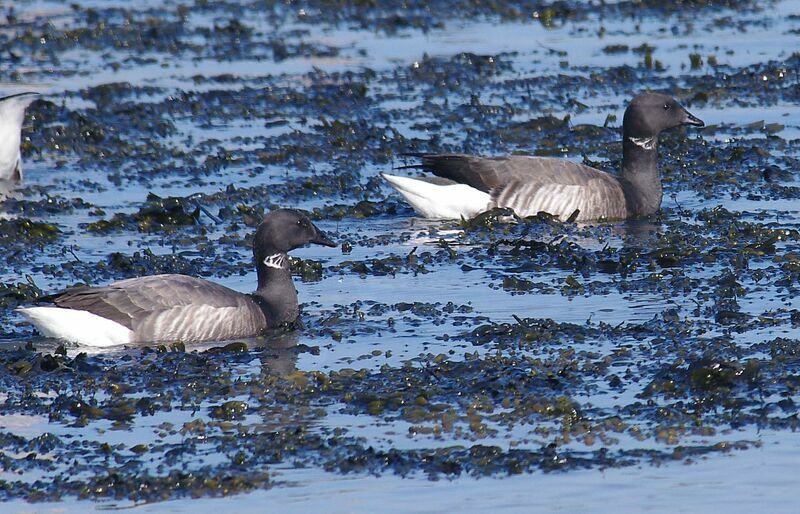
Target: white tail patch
438	201
76	326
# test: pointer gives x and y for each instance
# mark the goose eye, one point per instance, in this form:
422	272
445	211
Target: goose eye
666	107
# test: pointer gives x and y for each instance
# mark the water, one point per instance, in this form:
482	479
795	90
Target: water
654	321
765	473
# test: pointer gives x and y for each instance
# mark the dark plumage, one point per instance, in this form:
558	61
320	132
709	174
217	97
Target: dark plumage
179	307
530	185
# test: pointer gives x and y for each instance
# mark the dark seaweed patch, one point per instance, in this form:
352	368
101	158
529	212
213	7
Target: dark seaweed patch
700	376
157	214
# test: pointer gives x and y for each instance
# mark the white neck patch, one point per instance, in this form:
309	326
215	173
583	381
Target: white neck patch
276	261
648	143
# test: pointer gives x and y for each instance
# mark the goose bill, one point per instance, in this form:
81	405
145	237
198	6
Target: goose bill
322	239
691	119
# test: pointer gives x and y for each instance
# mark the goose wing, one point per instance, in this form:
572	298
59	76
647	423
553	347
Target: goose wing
594	200
530	185
130	301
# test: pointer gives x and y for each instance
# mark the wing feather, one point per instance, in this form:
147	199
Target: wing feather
530	185
594	200
132	300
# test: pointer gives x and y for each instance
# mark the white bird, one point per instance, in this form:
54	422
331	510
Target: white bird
12	114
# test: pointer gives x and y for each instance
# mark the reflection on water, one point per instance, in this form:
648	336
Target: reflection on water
7	190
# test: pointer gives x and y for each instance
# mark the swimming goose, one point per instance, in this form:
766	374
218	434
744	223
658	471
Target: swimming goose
467	185
12	114
182	308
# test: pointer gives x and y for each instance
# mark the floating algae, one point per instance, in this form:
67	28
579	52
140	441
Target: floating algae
487	347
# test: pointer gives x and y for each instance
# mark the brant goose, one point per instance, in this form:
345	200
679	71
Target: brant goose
12	114
177	307
467	185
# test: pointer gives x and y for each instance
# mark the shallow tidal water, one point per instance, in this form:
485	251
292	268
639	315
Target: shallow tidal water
497	363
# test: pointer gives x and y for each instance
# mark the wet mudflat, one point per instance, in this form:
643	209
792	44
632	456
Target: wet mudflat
437	352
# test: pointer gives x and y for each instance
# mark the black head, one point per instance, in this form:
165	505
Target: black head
283	230
650	113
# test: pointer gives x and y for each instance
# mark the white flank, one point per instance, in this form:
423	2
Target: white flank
12	114
196	322
76	326
560	200
440	201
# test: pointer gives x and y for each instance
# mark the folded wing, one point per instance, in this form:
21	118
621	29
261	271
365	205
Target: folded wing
176	306
530	185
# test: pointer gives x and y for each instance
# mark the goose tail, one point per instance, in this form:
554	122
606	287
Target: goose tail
76	326
437	200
